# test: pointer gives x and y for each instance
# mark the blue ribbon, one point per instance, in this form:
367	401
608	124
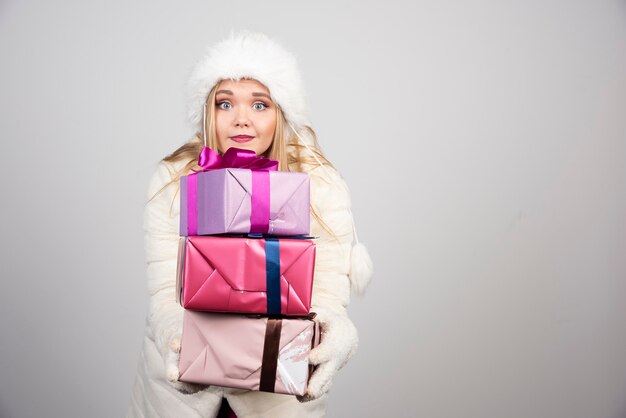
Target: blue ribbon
272	275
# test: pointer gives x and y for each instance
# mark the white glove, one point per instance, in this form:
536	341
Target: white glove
338	343
167	323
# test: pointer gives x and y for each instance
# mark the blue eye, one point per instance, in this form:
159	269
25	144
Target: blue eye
262	104
221	103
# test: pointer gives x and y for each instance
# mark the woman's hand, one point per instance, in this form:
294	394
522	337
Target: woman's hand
338	343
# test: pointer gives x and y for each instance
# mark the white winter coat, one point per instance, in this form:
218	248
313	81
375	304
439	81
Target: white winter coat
153	395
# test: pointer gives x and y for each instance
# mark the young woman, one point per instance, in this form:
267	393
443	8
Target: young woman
247	93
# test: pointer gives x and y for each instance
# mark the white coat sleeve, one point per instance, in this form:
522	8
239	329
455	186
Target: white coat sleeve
161	235
331	199
331	283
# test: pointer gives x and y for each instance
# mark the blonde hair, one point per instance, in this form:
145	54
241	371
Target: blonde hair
286	149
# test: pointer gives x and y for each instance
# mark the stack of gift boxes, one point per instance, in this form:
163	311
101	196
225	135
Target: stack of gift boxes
245	274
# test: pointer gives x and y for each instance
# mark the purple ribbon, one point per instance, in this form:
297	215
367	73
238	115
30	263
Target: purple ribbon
260	202
235	158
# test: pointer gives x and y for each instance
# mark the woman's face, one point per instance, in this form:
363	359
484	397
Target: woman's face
245	116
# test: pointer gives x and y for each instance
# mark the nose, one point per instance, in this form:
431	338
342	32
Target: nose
242	119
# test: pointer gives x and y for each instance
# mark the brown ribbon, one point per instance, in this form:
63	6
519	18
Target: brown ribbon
271	348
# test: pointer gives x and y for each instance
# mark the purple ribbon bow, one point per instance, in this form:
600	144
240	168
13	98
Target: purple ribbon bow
260	191
234	158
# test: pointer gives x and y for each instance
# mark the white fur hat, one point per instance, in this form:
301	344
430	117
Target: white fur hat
249	54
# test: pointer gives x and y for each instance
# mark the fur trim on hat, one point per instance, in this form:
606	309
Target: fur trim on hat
251	55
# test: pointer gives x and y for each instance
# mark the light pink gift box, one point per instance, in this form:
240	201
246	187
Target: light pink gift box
246	275
247	352
237	200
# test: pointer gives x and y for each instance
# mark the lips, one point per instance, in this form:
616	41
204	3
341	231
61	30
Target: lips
242	138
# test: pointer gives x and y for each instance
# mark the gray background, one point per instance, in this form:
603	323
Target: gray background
485	146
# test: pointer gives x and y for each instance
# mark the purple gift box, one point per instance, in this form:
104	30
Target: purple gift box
238	200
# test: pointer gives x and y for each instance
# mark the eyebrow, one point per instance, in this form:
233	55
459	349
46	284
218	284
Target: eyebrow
255	94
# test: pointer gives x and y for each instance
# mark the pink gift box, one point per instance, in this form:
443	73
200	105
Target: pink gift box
247	352
246	275
238	200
